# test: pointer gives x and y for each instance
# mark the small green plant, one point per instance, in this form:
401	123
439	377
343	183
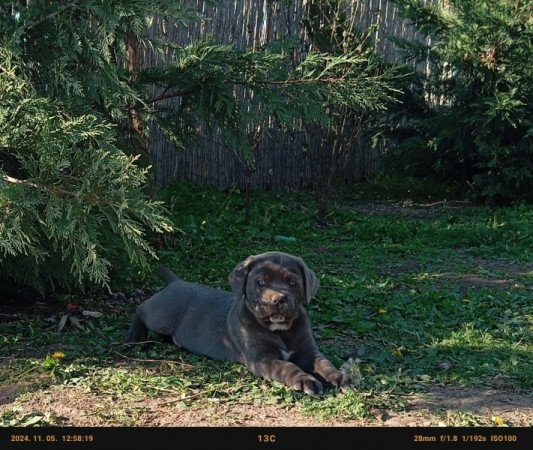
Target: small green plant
15	418
51	361
350	405
332	29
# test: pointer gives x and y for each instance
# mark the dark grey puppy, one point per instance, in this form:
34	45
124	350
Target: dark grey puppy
262	324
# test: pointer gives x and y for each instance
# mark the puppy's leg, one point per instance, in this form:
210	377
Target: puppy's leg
287	373
311	360
138	331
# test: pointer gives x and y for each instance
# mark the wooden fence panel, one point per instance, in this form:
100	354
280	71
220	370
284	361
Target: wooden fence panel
282	165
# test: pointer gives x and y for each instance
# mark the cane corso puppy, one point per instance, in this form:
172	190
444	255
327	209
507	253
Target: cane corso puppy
262	324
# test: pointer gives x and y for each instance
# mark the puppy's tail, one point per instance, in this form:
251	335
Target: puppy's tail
166	274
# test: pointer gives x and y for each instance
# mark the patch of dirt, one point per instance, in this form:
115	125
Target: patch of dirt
402	267
510	274
52	309
502	266
513	407
473	281
484	401
409	208
15	312
8	394
239	415
74	406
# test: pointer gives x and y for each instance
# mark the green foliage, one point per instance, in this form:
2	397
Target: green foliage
418	292
350	406
474	119
216	84
407	282
69	199
93	62
77	52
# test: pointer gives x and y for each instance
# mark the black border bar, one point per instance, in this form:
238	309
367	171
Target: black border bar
296	438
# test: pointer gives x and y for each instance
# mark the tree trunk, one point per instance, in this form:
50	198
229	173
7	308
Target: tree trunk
133	63
248	180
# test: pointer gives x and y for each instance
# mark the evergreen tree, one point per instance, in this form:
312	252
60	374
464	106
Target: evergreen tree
76	107
70	200
475	121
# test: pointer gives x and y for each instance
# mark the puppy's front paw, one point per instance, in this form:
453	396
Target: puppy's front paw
339	380
308	384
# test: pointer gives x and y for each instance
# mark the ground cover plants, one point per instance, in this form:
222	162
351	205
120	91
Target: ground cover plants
424	299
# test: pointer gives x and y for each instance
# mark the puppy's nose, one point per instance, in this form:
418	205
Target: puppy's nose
279	299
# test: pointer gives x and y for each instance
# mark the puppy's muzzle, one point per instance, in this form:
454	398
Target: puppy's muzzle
274	303
276	300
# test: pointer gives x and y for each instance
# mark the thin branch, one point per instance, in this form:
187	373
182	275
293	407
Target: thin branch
168	361
188	397
165	96
10	73
298	81
51	189
52	14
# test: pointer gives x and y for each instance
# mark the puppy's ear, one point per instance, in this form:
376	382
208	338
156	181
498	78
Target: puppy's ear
310	281
237	278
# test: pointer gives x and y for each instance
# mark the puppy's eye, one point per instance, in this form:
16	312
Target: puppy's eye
262	283
292	283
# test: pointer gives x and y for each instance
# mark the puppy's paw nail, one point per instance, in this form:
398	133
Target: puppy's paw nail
310	385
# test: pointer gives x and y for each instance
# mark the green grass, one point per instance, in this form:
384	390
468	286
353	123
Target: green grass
414	294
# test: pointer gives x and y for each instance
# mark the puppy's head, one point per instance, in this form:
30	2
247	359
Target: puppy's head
273	285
